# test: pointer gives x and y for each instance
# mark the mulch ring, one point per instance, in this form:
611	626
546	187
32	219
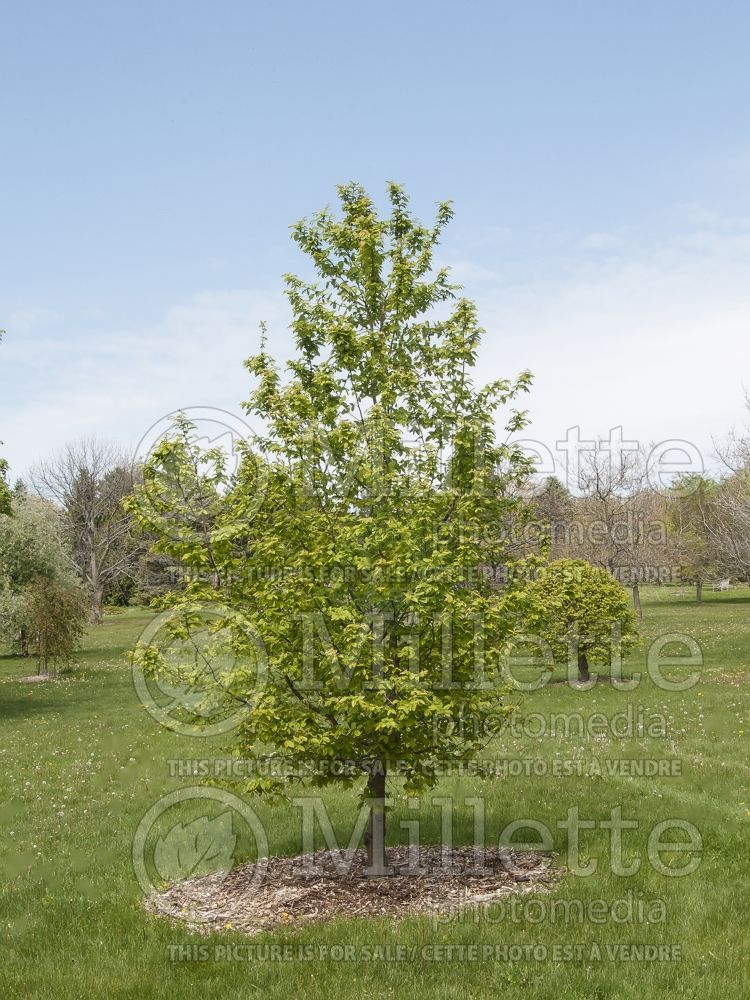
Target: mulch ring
325	885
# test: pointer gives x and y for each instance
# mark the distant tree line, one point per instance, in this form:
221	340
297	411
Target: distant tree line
69	542
696	531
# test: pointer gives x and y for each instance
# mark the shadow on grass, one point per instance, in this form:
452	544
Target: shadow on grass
25	698
20	706
690	602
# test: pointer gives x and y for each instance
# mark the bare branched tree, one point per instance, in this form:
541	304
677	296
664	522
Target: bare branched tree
727	518
734	451
622	527
727	525
89	479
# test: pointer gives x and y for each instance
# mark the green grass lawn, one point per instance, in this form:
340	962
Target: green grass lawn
81	762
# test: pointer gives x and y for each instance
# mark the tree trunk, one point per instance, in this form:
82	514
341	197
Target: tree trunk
637	600
699	591
375	835
96	605
583	668
43	665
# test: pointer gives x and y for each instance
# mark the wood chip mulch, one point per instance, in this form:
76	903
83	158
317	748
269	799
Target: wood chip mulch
312	887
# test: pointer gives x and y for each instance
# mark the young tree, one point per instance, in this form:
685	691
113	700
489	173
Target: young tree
580	611
32	544
56	616
89	480
355	543
622	519
691	526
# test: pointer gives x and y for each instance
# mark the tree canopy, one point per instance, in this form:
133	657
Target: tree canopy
32	545
358	541
580	611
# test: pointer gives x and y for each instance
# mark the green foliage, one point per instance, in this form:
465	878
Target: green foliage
356	546
119	592
689	521
575	603
554	510
5	494
56	616
32	544
553	500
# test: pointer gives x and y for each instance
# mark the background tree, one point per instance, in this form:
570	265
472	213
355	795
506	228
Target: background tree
56	615
383	491
690	515
581	612
554	507
622	523
155	575
32	544
4	490
5	495
734	451
727	521
89	481
727	524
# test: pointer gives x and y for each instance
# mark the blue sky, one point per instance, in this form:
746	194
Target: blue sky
154	155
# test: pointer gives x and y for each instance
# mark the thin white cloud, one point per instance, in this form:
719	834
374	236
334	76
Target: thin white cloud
119	383
654	338
602	241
